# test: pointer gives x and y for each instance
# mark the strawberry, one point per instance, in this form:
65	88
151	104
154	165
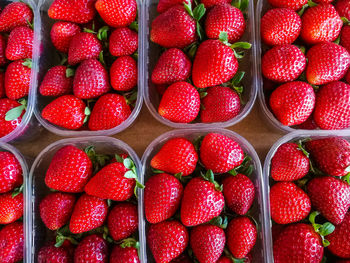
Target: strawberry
167	240
241	236
11	243
117	13
62	33
66	111
56	209
289	163
293	102
345	37
183	258
340	238
288	203
89	213
309	124
11	174
124	254
20	43
83	46
211	3
92	248
53	254
224	259
220	104
7	126
323	68
2	51
177	155
17	79
2	85
69	170
11	207
57	81
320	23
207	242
14	15
164	5
124	73
293	4
109	111
180	103
122	221
162	197
332	110
123	41
77	11
220	153
239	193
343	8
172	66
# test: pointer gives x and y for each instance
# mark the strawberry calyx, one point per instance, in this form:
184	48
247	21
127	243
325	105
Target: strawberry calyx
235	84
70	72
98	160
27	63
17	191
346	178
245	168
322	229
131	97
134	26
233	259
130	242
102	33
132	174
64	234
223	38
197	13
191	49
309	4
240	4
219	221
209	176
16	112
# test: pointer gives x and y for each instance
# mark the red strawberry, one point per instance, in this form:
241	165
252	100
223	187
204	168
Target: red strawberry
52	254
57	81
77	11
56	209
62	33
177	155
2	85
7	127
121	254
289	163
92	248
89	213
320	23
66	111
109	111
163	193
11	243
180	103
293	102
17	79
15	14
83	46
183	258
69	170
11	174
345	37
241	236
167	240
211	3
309	124
124	73
340	239
117	13
123	41
20	43
343	8
323	68
122	221
2	51
11	208
172	66
293	4
220	153
207	242
332	110
224	259
164	5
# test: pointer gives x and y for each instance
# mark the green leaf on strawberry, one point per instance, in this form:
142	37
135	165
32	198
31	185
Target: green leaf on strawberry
16	112
323	230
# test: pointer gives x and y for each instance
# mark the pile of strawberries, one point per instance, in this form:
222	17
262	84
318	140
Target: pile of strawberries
306	65
16	45
311	178
92	208
96	83
188	209
197	75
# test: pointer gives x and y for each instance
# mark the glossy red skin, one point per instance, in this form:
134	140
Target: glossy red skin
293	4
124	73
224	259
14	15
83	46
17	80
340	239
345	37
343	8
62	33
124	255
55	82
3	60
7	127
11	243
11	174
20	43
11	208
164	5
2	85
92	249
211	3
52	254
123	41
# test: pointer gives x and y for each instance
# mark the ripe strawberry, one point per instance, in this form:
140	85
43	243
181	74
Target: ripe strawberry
69	170
56	209
167	240
121	254
288	203
345	37
180	103
211	3
164	5
177	155
293	102
117	13
207	242
289	163
52	254
66	111
124	73
123	41
163	194
14	15
332	110
109	111
172	66
241	236
57	81
309	124
20	43
220	153
77	11
7	127
293	4
92	248
11	243
343	8
340	239
11	208
220	104
11	174
323	68
17	79
2	51
2	85
62	33
83	46
214	64
224	259
320	23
